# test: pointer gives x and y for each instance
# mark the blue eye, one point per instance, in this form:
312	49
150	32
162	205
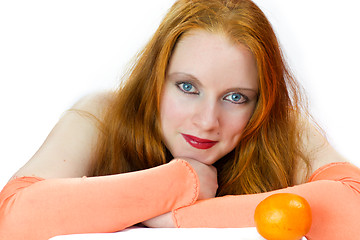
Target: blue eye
187	88
236	98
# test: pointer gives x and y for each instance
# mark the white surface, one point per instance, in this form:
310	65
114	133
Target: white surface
171	233
54	52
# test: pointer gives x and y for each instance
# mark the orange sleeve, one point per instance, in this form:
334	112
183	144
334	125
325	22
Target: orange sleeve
333	193
36	209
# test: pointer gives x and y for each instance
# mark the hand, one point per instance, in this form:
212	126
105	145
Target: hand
162	221
208	186
207	175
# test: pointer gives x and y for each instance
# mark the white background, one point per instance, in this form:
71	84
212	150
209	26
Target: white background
54	52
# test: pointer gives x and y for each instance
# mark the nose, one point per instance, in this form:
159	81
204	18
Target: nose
206	116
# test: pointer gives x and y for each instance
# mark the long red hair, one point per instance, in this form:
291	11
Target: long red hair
270	144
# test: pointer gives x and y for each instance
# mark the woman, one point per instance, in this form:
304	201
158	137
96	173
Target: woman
208	110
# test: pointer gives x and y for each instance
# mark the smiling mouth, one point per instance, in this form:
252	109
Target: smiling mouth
199	143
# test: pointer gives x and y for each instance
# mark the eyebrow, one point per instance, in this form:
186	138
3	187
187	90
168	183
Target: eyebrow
197	81
187	75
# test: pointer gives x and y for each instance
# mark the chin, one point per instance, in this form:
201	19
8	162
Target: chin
209	161
208	158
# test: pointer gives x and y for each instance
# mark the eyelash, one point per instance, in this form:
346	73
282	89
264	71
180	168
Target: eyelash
243	98
180	86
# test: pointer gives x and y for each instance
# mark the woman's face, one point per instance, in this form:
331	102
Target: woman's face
209	95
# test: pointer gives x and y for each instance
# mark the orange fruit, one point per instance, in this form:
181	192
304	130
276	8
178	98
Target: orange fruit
283	216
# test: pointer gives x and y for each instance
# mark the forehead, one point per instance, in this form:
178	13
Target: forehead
213	56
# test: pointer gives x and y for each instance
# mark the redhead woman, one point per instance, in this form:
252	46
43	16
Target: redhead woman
208	123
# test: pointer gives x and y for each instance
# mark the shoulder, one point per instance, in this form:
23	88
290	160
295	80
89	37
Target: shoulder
317	149
94	103
69	148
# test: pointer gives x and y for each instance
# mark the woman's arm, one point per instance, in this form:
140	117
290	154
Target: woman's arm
333	194
37	209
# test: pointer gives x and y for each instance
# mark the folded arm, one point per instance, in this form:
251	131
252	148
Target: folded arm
333	193
34	208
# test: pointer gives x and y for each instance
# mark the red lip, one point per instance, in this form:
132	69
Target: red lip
199	143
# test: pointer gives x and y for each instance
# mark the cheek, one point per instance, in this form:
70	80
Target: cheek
172	111
236	127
